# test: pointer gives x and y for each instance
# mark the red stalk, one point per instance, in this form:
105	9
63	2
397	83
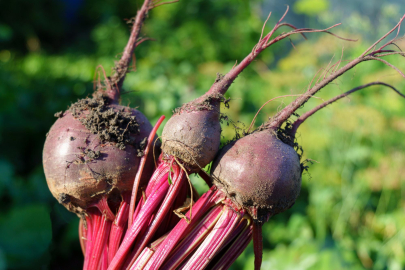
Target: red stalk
142	259
141	167
236	232
140	221
100	243
145	255
131	257
98	232
104	259
118	227
257	244
207	200
214	241
181	198
193	239
174	189
236	248
92	229
161	172
82	235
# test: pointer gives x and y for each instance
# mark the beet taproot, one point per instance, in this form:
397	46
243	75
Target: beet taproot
193	133
259	171
92	150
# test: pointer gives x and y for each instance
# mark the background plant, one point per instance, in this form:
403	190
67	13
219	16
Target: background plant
350	213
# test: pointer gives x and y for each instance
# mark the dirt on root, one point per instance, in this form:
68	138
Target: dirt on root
110	125
207	104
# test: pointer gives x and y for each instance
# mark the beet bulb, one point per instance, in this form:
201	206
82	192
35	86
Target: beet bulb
92	150
260	172
193	133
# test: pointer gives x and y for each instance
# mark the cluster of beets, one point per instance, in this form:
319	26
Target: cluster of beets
137	206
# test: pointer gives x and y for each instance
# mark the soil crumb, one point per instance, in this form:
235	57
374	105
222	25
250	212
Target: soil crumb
59	114
92	154
141	148
109	124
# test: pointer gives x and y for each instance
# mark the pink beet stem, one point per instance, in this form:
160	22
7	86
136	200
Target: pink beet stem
118	227
104	259
236	248
139	207
102	205
130	257
257	244
161	172
207	200
214	241
178	180
147	252
235	233
82	235
142	259
172	218
93	220
141	167
100	243
194	238
154	183
141	220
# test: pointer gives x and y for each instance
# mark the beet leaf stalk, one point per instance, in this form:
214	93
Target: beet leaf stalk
305	116
372	53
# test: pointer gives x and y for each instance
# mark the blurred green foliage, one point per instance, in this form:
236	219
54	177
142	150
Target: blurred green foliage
350	214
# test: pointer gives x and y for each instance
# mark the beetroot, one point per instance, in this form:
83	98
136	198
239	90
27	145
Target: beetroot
193	133
93	150
260	172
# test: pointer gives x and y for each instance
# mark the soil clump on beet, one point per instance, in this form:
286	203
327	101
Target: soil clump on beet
110	125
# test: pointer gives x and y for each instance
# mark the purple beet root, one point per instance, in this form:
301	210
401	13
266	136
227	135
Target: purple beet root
93	150
193	133
260	173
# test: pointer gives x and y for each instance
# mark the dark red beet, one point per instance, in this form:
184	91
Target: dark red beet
193	133
260	172
262	175
92	150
